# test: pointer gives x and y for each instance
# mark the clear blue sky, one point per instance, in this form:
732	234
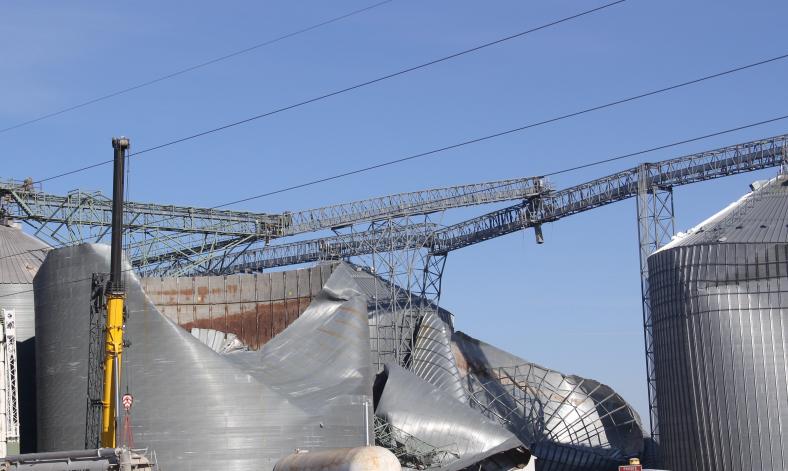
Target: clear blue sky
572	304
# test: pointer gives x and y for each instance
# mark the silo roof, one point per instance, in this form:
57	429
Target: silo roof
20	255
760	216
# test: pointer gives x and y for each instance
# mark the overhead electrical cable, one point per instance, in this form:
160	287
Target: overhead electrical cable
195	67
504	133
665	146
482	138
557	172
346	89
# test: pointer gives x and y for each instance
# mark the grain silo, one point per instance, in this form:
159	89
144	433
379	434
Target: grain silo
720	310
20	257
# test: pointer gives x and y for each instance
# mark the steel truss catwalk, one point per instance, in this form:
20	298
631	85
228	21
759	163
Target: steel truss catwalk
545	206
166	238
151	229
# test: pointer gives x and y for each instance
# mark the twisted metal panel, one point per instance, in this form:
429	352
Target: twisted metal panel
421	410
200	409
569	422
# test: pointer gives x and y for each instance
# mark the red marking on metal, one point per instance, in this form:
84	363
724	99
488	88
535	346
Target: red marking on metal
127	401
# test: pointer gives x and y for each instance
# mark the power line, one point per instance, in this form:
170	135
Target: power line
557	172
479	139
666	146
195	67
347	89
509	131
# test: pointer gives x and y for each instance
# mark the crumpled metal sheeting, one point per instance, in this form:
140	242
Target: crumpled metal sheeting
433	359
569	422
418	408
322	361
196	408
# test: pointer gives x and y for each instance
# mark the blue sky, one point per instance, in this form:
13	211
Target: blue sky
572	304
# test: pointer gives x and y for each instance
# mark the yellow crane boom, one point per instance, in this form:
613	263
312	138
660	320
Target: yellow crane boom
116	297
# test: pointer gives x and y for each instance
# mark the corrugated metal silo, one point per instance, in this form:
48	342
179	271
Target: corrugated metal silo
720	307
20	257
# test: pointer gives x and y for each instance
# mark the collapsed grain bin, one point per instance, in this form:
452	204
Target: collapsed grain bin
202	405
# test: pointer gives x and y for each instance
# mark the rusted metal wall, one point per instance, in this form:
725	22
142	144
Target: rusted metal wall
255	307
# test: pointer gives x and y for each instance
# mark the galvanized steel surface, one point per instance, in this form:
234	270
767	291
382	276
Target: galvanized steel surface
20	257
196	408
759	217
253	307
420	409
433	359
720	306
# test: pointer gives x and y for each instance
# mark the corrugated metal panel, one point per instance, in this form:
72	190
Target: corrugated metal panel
249	306
19	297
759	217
719	300
20	255
196	408
418	408
720	344
432	357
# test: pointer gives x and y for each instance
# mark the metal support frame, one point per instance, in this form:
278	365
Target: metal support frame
98	315
10	378
412	452
155	233
538	405
656	227
411	282
171	240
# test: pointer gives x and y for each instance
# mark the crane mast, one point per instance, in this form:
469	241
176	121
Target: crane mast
116	297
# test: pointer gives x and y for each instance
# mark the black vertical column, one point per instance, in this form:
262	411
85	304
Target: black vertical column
120	145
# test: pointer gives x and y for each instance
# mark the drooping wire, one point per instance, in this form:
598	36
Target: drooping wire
195	67
344	90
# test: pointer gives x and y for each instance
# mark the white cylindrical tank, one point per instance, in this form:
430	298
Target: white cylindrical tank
364	458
